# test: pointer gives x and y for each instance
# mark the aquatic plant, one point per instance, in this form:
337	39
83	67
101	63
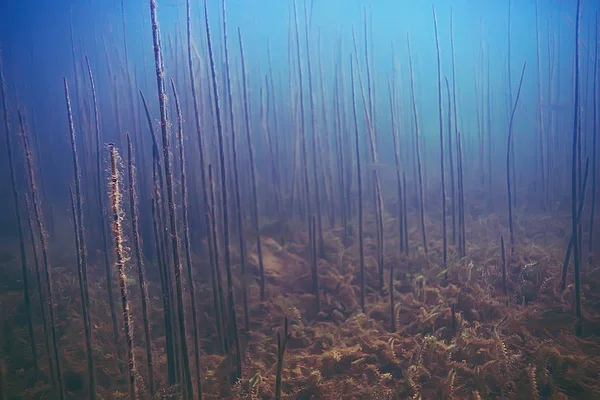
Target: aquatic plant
162	99
141	270
282	341
22	252
231	324
114	188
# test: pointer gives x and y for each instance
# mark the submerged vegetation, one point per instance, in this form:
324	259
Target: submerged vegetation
280	226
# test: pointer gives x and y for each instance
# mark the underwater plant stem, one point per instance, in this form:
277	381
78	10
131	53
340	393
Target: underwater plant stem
186	239
563	282
373	147
238	200
392	300
233	331
255	212
162	98
15	193
313	259
82	251
163	265
542	128
281	345
314	134
84	302
417	146
509	148
503	252
141	270
200	135
304	161
441	121
574	179
594	151
40	287
451	162
359	183
101	220
461	197
395	140
120	259
213	226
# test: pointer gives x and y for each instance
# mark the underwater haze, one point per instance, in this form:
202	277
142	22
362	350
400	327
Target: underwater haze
299	199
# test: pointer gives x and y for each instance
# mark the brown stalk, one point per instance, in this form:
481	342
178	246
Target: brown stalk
359	182
15	192
162	99
238	201
255	212
417	146
186	239
141	270
232	325
439	71
120	259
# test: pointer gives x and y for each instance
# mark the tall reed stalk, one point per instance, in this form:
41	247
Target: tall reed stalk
114	188
509	148
361	245
139	261
232	325
15	193
164	125
441	127
418	148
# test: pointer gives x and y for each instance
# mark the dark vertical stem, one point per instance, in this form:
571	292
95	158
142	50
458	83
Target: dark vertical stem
238	201
304	161
461	197
115	195
233	331
15	192
405	202
84	301
157	218
162	98
314	135
502	250
252	172
281	345
574	179
451	161
82	253
200	134
489	137
563	283
101	220
141	270
186	239
392	300
594	150
509	147
398	173
213	226
313	260
377	189
359	182
461	238
39	284
542	128
439	71
417	146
